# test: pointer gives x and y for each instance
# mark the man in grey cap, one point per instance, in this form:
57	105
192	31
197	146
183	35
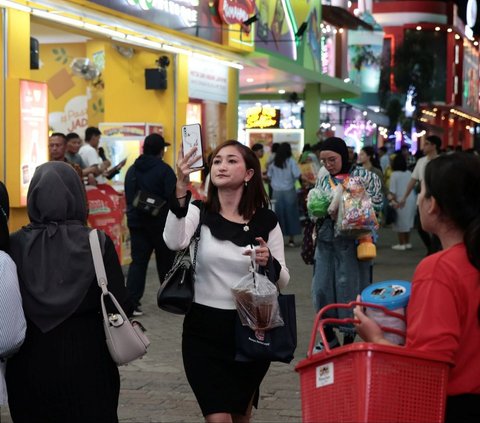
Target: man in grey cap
150	176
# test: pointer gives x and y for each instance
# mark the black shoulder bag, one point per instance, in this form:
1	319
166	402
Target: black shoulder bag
177	291
146	202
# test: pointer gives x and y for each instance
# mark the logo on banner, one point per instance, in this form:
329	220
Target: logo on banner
235	11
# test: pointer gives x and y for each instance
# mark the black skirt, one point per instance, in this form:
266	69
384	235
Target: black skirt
220	384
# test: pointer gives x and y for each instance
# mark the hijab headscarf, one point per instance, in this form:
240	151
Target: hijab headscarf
52	253
338	146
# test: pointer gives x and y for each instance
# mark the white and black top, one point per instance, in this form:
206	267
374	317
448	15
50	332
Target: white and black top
220	260
12	319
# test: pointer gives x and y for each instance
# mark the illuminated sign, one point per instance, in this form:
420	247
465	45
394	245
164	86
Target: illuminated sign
262	117
183	9
235	11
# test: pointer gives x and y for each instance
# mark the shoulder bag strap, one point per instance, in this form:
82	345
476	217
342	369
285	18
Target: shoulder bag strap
98	261
196	238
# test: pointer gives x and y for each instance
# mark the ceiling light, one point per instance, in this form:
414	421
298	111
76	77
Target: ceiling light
12	5
281	91
249	80
177	50
340	30
220	61
103	30
57	18
437	28
144	42
457	37
475	43
419	28
449	30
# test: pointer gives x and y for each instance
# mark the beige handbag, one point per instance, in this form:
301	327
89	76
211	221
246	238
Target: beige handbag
126	339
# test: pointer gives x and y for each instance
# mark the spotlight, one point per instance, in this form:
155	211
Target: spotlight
250	20
302	28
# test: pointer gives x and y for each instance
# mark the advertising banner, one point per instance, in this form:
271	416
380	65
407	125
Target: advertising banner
277	30
364	59
207	81
33	132
470	77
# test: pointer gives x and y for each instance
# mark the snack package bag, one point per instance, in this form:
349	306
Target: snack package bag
318	202
356	214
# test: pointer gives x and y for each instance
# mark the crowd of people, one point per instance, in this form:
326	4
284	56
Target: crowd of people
63	371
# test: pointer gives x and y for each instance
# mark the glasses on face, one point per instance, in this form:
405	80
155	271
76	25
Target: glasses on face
329	160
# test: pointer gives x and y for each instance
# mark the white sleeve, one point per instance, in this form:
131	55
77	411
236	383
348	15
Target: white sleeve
417	170
178	232
277	250
89	156
393	184
12	319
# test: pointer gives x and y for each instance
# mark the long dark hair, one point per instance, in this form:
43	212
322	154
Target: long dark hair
370	152
253	196
399	163
4	215
283	153
454	181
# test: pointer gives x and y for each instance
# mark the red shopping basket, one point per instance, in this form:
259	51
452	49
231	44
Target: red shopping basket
365	382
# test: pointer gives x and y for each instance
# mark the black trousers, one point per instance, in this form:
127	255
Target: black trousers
463	409
144	241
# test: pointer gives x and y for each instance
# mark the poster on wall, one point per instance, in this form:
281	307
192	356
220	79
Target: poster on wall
295	137
364	59
33	132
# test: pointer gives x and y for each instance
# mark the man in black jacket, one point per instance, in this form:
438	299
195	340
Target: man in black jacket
151	175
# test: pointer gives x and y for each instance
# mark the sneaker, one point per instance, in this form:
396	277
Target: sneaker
399	247
320	347
408	246
137	312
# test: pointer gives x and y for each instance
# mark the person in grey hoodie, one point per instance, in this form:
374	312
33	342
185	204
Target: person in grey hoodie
149	174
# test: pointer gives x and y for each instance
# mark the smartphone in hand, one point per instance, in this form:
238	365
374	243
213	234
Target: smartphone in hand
192	137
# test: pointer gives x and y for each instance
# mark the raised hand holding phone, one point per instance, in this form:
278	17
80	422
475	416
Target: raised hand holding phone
192	137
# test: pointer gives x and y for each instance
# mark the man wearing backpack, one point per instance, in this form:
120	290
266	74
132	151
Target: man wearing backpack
149	182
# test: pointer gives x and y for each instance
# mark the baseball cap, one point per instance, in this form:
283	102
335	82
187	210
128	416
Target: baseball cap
153	144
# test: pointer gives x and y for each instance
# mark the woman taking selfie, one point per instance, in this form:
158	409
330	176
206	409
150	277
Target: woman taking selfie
443	314
234	219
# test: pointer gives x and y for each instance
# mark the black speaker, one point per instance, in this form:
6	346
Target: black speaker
34	53
156	79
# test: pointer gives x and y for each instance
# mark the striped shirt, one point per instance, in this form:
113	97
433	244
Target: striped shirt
12	319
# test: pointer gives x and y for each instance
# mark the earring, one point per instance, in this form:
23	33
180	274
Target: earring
246	183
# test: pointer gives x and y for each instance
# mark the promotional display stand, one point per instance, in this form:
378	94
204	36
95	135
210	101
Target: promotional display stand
107	212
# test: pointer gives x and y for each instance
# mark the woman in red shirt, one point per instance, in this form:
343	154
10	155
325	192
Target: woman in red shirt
443	315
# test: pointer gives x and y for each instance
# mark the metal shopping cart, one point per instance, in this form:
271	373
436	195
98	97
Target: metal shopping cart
365	382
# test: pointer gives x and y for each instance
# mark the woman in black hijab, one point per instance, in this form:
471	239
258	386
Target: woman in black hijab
63	372
338	275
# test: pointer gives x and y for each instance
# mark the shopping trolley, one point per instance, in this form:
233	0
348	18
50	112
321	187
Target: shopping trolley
365	382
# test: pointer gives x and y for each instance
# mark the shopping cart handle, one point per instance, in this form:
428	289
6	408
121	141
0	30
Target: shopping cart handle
320	322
